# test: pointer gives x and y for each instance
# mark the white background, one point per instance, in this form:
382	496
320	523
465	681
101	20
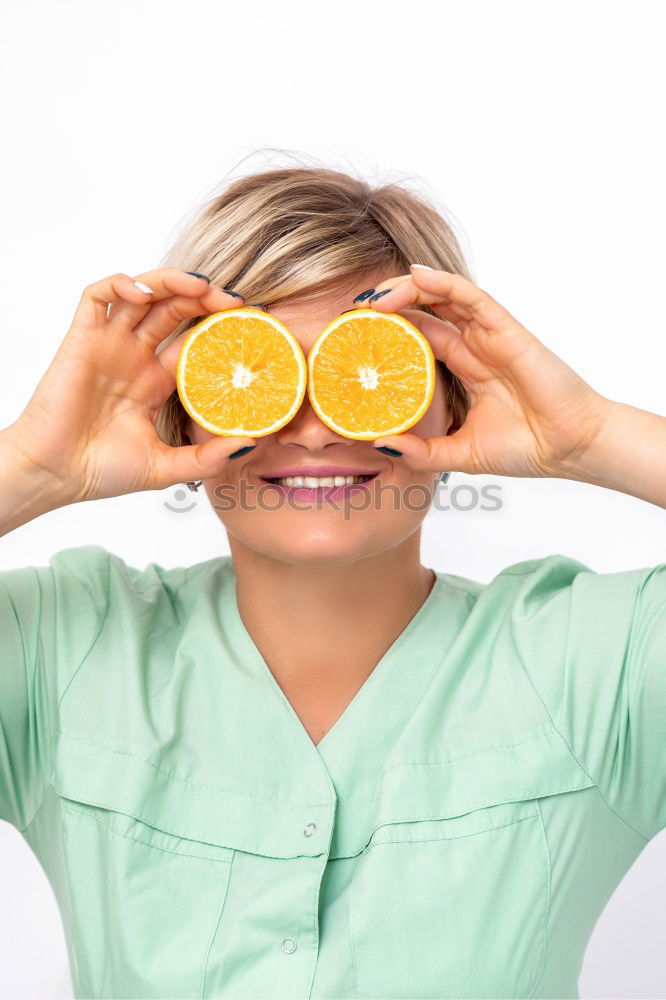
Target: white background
539	128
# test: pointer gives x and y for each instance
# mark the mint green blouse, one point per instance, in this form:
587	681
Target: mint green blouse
456	833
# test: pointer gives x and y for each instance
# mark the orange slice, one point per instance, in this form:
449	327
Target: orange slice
241	373
370	374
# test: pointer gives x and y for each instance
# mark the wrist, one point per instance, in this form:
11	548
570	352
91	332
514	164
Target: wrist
625	451
28	489
584	462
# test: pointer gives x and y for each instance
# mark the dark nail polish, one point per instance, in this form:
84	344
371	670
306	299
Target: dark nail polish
373	298
230	291
387	451
259	305
197	275
242	451
364	295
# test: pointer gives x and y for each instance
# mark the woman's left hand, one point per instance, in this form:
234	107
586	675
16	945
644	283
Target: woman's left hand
531	415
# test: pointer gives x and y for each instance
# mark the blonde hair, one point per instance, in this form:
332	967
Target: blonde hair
296	231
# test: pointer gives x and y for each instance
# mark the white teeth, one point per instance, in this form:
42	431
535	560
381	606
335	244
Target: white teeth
315	482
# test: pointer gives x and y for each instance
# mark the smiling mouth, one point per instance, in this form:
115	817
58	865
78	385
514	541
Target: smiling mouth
319	482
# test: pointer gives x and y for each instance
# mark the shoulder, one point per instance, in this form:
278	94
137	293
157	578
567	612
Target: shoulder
83	586
554	610
104	572
535	583
560	587
524	580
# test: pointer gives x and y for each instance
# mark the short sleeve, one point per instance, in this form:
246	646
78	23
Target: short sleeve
49	619
594	645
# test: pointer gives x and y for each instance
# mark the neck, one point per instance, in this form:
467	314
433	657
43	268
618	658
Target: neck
324	627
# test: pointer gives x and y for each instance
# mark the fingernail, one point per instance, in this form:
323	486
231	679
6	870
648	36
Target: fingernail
242	451
196	274
373	298
364	295
144	288
387	451
259	305
230	291
426	267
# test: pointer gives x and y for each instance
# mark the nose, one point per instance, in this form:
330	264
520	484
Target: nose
308	431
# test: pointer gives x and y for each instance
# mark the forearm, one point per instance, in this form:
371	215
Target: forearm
628	454
27	491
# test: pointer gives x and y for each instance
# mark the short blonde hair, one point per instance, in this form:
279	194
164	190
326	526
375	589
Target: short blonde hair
298	231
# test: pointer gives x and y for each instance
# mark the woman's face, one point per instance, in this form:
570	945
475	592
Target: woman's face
368	520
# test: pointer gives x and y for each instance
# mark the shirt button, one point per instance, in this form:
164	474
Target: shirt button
310	829
288	945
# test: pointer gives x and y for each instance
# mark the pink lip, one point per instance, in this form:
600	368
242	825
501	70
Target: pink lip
320	471
317	494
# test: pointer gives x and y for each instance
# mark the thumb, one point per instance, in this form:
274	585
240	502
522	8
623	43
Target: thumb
449	453
186	463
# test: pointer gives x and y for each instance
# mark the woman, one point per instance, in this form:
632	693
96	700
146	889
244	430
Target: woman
318	768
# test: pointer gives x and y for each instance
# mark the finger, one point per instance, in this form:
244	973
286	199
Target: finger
448	313
388	283
166	282
461	292
164	317
94	303
443	314
187	463
469	354
448	453
406	292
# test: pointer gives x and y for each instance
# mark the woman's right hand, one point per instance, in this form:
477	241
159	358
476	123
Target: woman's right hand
90	424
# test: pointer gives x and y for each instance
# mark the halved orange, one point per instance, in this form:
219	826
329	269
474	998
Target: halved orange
241	373
370	374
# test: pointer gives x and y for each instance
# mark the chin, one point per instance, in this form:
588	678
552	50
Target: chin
325	545
322	545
